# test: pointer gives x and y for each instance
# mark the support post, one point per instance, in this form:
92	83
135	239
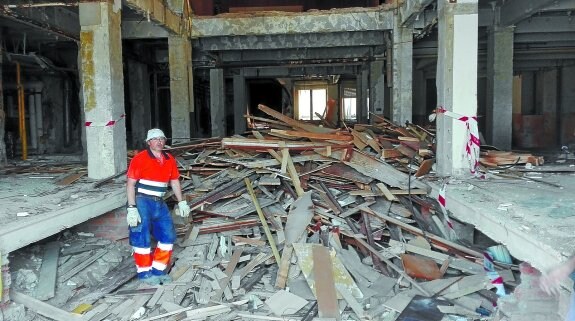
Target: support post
499	87
217	103
180	58
456	81
102	82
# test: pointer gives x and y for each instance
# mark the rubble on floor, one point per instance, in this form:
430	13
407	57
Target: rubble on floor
292	223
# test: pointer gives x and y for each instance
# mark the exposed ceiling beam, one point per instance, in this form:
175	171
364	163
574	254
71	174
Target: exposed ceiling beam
157	11
57	21
142	30
540	24
548	37
411	9
339	53
561	5
514	11
315	40
305	22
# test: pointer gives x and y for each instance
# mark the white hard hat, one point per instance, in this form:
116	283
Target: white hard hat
155	133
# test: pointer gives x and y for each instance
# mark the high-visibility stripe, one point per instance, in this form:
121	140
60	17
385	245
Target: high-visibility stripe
143	269
152	193
159	266
153	183
148	187
162	255
165	247
142	250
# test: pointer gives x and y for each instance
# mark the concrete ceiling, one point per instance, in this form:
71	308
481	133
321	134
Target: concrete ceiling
31	26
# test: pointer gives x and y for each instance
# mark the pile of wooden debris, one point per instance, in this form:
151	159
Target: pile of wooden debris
302	221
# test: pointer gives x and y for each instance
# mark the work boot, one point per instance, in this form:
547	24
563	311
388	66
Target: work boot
162	278
153	280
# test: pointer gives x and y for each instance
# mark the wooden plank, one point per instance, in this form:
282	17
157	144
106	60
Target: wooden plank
262	219
293	173
155	298
388	262
386	192
294	123
424	168
93	314
351	301
229	270
42	308
390	153
111	281
324	284
379	170
339	136
413	191
192	310
70	179
83	265
419	232
455	263
47	279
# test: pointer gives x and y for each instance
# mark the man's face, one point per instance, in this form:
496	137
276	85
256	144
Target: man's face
157	144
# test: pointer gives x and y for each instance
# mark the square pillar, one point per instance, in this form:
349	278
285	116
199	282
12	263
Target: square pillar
217	103
376	87
402	65
240	103
140	99
181	86
102	81
499	87
456	82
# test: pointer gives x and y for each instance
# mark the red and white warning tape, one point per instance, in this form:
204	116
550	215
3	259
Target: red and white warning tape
442	204
473	143
106	124
495	278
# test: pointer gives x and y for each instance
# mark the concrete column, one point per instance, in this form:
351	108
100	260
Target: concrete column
419	97
217	103
240	103
362	95
376	87
456	81
550	106
499	87
140	103
3	153
102	88
402	73
528	93
181	86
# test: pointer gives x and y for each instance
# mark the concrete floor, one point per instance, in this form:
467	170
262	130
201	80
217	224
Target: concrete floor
33	208
536	221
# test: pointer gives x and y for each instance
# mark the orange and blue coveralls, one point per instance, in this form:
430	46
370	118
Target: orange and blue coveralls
152	175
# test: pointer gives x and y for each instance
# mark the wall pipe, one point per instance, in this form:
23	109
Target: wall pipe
66	111
33	120
21	114
39	117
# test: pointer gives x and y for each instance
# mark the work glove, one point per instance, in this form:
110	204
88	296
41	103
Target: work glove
133	217
184	209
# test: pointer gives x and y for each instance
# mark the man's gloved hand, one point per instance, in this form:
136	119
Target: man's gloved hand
133	217
184	209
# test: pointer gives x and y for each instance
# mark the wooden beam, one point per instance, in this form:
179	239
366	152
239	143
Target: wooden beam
42	308
48	271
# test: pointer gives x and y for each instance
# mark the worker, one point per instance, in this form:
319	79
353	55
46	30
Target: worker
550	282
149	174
